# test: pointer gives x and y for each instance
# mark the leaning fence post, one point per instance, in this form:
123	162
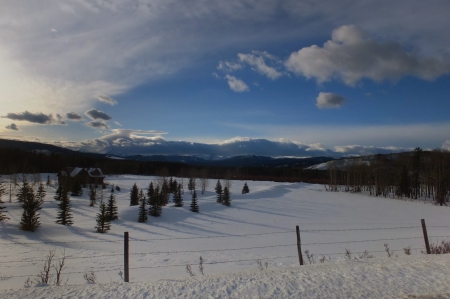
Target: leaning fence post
299	247
425	236
126	259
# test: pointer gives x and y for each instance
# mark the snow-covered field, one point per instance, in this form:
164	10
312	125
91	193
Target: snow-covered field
258	226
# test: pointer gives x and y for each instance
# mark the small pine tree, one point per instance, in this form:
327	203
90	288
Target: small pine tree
219	192
3	216
134	195
31	205
112	188
245	189
154	201
112	207
194	203
226	197
165	193
191	184
64	216
150	190
92	195
2	190
23	191
103	223
49	181
40	194
58	192
77	189
142	207
177	198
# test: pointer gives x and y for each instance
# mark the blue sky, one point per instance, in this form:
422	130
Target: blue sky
328	77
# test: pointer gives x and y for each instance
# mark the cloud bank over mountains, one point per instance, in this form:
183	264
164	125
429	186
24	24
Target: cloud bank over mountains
133	142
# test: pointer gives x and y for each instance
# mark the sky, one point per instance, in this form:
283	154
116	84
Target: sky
160	76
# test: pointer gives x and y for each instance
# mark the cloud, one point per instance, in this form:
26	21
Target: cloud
329	100
351	56
229	67
12	127
97	125
236	85
38	118
97	114
73	116
369	150
446	145
257	60
106	99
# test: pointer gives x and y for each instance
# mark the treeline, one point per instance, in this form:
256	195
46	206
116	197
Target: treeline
414	175
14	160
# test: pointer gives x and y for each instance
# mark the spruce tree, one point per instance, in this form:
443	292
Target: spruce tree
103	223
165	193
3	216
226	197
40	194
112	207
219	192
64	216
134	195
58	192
191	184
155	209
194	204
150	190
142	207
92	195
31	205
2	190
49	181
177	197
77	189
23	190
112	188
245	189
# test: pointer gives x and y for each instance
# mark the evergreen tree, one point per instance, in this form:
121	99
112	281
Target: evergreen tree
2	190
219	192
142	207
40	194
112	207
92	195
134	195
174	187
177	197
31	205
194	204
3	216
150	190
58	192
165	193
191	184
112	188
77	189
49	181
64	216
155	209
103	223
226	197
21	195
245	189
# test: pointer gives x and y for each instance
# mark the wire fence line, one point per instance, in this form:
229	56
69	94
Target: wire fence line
72	257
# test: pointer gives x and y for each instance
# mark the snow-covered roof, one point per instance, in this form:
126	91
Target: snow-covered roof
74	171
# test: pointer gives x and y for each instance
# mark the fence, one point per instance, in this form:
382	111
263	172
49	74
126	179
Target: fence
282	250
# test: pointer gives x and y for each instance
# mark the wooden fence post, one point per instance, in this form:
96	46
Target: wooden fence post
299	247
425	236
126	258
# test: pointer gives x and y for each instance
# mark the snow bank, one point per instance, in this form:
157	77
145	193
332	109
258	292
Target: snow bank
402	277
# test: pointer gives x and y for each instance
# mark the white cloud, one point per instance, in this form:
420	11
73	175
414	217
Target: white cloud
257	60
350	56
106	99
329	100
228	67
368	150
236	84
446	145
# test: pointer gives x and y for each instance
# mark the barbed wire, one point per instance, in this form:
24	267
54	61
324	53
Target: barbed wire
64	273
60	242
361	241
356	229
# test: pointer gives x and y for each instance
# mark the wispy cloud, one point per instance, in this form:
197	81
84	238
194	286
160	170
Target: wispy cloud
258	61
236	84
106	99
97	125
